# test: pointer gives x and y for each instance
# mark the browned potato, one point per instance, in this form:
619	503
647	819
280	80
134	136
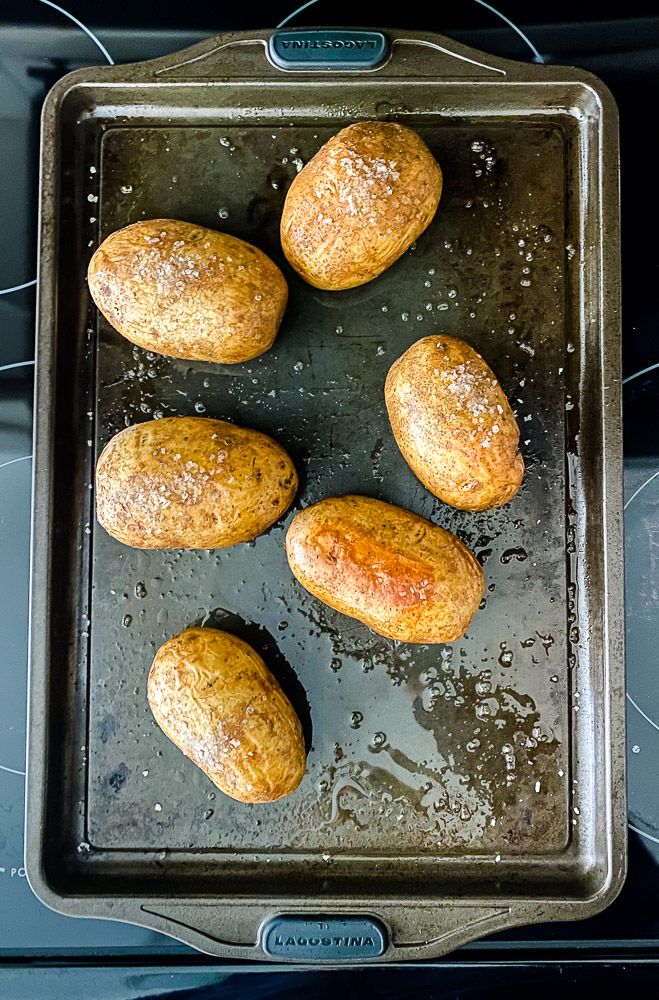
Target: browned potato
359	204
191	483
214	697
453	424
399	574
189	292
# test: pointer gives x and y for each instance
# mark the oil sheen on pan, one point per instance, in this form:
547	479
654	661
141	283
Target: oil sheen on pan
431	750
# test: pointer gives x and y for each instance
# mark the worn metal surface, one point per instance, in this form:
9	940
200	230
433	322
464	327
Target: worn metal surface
450	790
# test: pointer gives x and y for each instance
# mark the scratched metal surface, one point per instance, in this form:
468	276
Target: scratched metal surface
414	750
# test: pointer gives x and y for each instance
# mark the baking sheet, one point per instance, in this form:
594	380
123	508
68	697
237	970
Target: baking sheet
451	791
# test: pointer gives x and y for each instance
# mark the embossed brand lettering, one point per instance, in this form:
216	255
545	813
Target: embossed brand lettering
338	942
329	43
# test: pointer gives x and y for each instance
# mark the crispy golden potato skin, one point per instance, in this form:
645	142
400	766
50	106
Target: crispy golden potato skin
191	483
399	574
362	200
214	697
453	424
187	291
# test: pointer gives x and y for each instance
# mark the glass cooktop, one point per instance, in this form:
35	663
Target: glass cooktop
39	43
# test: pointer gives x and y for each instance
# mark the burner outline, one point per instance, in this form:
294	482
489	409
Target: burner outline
97	42
537	57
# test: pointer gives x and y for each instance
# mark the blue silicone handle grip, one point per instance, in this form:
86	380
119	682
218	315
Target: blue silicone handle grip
328	49
324	939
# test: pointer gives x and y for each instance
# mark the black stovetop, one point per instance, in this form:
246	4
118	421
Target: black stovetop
38	44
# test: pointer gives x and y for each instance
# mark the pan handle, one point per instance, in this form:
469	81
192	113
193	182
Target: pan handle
327	52
370	931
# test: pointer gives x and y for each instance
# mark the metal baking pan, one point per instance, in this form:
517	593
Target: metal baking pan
451	791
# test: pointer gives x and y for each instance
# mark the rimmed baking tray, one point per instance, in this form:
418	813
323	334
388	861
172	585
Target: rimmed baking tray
451	791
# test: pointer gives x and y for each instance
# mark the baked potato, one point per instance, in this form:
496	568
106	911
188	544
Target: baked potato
453	424
214	697
191	483
187	291
359	204
394	571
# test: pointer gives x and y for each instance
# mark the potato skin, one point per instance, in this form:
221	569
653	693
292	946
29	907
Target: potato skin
362	200
189	292
453	424
191	483
394	571
214	697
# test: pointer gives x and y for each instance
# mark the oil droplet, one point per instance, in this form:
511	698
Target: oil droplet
199	407
472	745
140	590
127	620
335	664
356	720
223	213
483	687
519	554
126	188
209	813
506	658
379	739
636	748
487	709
